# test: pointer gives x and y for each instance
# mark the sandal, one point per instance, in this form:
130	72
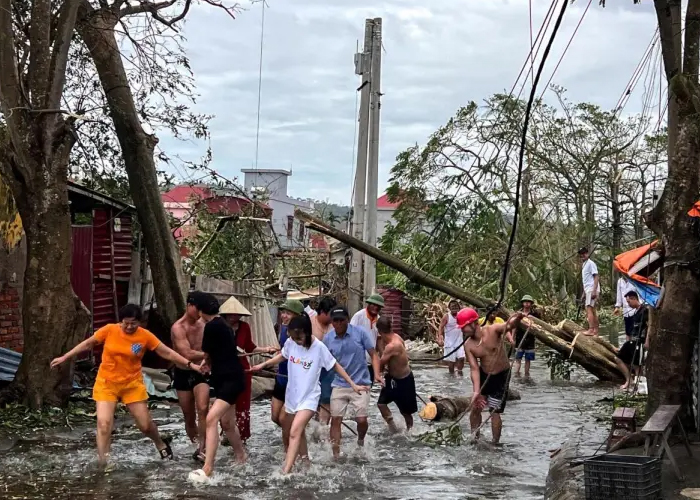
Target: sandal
167	452
198	456
198	476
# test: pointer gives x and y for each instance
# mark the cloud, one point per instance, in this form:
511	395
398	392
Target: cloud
437	57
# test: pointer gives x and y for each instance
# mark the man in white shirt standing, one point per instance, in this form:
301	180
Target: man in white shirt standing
621	305
367	319
591	290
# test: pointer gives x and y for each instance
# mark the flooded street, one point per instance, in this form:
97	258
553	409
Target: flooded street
388	468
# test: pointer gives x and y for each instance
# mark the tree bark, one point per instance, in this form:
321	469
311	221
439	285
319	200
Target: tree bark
587	352
96	27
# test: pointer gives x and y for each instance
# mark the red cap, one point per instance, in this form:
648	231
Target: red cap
466	316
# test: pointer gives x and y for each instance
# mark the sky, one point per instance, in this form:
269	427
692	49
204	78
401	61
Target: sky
437	57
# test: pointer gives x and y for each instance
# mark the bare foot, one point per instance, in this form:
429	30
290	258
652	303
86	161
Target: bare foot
360	442
305	462
589	333
625	386
460	373
242	460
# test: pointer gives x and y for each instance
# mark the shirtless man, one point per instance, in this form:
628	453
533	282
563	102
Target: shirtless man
399	385
490	376
192	388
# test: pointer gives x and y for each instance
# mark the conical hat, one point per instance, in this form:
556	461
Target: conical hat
233	306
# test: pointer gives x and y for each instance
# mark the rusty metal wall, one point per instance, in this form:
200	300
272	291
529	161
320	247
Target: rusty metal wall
394	307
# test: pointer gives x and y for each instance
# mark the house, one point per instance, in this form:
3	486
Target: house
101	264
270	186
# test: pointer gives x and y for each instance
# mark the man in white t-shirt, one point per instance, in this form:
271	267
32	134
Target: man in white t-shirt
591	290
367	319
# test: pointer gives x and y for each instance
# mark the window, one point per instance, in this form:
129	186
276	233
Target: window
301	233
290	226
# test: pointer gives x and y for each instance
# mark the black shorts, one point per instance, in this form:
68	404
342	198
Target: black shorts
279	391
631	353
401	391
495	389
186	380
229	389
629	325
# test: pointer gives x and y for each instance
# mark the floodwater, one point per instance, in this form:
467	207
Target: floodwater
398	467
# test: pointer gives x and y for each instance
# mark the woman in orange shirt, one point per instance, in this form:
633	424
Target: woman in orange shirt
119	377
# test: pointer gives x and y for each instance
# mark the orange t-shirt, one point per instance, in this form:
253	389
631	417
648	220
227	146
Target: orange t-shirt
122	353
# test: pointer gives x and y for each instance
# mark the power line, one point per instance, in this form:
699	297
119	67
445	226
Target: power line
262	40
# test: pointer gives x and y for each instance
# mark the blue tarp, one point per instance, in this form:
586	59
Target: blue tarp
9	362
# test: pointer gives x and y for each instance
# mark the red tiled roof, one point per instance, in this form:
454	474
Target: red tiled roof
185	194
383	202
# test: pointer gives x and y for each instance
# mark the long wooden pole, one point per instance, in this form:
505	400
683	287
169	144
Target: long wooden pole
589	353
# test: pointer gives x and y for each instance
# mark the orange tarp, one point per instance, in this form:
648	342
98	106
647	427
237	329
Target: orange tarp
695	211
626	260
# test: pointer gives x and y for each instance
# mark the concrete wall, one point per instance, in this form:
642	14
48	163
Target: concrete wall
274	182
383	218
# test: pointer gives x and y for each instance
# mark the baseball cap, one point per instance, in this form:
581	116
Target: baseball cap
339	312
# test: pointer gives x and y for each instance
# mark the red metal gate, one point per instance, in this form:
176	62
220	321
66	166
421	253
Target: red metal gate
81	264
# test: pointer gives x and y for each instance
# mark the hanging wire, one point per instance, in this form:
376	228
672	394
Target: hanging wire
262	44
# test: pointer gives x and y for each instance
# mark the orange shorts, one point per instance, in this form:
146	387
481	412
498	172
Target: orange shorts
126	392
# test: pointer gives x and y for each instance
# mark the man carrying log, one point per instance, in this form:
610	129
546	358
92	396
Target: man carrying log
489	367
399	384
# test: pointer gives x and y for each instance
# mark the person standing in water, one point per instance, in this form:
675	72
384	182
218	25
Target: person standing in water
591	290
232	311
119	377
192	388
349	344
629	357
450	336
320	325
288	310
399	384
525	344
489	367
228	380
306	356
367	319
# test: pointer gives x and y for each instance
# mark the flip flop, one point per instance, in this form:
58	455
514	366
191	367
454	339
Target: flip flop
198	476
167	452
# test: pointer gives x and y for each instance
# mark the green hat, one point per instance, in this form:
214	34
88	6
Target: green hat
376	299
292	306
527	298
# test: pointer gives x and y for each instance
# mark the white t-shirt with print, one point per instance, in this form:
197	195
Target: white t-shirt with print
588	272
304	370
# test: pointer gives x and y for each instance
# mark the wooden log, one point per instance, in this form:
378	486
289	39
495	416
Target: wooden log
449	408
588	353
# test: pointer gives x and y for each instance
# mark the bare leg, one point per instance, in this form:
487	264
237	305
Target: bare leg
298	428
527	368
475	421
517	367
217	411
625	371
460	366
451	367
336	422
408	418
201	400
278	417
324	414
145	423
105	420
230	427
362	428
388	418
496	426
187	405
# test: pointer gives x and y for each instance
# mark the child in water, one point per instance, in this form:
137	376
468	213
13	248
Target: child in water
306	356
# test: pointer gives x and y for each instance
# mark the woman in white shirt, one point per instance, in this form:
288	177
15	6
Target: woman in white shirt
307	356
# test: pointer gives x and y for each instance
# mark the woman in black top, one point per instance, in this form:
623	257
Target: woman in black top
228	380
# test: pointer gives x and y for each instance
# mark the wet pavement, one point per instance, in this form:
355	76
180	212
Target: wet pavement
62	466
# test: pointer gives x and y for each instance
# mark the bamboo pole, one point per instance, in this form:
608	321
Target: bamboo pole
587	352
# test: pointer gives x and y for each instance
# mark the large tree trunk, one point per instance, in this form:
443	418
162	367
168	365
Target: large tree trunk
97	30
588	352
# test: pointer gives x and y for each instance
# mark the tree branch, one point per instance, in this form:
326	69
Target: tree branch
40	51
691	56
143	7
61	45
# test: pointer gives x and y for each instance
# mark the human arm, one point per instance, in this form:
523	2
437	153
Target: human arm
441	331
618	298
476	379
182	345
270	362
378	378
596	284
168	354
510	325
388	353
86	345
341	371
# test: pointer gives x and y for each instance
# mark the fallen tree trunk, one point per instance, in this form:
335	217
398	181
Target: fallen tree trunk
450	408
591	354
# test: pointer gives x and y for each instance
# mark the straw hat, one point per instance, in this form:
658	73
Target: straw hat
233	306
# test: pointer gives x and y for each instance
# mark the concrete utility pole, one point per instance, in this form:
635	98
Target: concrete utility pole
373	164
362	68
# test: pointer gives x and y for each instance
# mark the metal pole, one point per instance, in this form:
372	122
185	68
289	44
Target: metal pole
373	163
362	67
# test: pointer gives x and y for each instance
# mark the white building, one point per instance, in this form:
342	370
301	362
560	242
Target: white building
385	214
270	186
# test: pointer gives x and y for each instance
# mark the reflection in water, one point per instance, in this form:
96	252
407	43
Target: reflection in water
388	467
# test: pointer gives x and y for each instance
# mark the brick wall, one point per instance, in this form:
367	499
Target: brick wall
10	319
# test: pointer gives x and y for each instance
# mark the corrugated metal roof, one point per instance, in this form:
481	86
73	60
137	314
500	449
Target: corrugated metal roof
9	362
252	297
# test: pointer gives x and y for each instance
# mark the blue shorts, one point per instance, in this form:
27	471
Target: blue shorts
327	378
529	354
